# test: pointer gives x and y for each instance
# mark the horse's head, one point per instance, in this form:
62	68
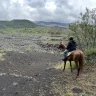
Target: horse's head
62	46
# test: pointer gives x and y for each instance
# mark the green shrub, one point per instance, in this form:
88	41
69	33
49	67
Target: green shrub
28	49
91	55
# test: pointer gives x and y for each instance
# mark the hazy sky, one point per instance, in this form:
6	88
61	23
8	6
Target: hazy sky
44	10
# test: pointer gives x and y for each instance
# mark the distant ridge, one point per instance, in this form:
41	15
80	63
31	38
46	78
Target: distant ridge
16	23
51	23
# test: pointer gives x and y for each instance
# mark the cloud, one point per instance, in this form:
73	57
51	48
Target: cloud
44	10
3	9
37	3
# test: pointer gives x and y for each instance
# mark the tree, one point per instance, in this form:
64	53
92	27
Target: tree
85	29
85	32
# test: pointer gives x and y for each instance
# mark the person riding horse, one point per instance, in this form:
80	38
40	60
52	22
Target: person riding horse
70	47
76	55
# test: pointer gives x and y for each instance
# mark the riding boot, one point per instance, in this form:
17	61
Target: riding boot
64	59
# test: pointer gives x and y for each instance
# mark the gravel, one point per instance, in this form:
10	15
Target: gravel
20	42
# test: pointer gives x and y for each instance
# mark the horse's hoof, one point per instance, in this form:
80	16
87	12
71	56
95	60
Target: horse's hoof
77	77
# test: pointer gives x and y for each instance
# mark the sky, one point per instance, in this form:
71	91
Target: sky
64	11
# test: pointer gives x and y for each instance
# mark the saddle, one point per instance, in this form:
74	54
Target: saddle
69	53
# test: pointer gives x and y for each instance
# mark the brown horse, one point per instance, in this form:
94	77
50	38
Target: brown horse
77	56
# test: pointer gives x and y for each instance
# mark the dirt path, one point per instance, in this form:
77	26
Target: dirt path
24	74
33	74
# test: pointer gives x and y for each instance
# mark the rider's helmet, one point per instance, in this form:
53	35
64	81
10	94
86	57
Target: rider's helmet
71	38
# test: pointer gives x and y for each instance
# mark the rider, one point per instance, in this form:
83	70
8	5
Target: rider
70	47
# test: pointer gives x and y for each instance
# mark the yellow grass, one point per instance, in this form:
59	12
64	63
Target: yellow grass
2	56
61	65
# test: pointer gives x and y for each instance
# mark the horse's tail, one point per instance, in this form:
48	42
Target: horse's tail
81	61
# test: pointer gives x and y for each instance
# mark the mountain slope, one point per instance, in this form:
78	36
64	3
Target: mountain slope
17	24
51	23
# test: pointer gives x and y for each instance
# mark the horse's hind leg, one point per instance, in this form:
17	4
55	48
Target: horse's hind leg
78	72
78	69
64	65
71	66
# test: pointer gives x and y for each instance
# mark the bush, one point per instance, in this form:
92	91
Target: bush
91	55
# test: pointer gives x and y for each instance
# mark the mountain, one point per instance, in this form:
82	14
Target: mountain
23	23
51	23
17	24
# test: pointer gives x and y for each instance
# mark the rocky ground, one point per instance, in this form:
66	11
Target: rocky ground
28	68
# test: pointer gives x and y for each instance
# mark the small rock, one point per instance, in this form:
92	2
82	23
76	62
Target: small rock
15	84
77	90
38	74
16	92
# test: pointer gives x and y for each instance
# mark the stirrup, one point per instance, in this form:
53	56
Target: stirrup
64	59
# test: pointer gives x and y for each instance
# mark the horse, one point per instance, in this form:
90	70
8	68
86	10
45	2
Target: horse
77	56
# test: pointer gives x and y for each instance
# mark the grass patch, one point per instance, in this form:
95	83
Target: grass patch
61	65
28	49
2	56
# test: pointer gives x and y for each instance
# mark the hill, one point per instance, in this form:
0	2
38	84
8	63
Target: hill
17	24
51	23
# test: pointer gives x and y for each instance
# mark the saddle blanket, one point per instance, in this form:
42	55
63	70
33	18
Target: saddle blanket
69	53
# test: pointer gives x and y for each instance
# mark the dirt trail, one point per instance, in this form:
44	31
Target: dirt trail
22	74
